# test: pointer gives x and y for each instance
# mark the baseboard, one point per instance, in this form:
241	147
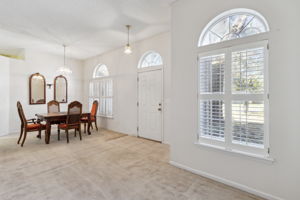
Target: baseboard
9	134
227	182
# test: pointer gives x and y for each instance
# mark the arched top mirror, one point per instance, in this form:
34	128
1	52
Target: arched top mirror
37	89
61	89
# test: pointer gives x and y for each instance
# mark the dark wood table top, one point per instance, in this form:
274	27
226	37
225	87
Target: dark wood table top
57	114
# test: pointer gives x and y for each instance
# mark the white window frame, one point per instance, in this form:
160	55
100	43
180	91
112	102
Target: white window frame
98	96
228	13
228	145
150	66
99	67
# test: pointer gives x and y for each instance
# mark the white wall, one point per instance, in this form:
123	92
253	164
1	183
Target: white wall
123	69
47	65
4	100
280	179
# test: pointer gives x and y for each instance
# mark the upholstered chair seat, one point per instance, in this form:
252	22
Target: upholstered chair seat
36	127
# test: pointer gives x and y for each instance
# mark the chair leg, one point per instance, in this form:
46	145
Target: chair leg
92	126
79	130
67	133
84	127
21	134
96	124
58	135
25	134
40	134
75	132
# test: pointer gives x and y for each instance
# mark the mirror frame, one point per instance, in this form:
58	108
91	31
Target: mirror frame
30	89
61	76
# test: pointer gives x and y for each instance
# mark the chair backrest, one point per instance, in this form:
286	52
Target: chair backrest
21	113
74	113
94	108
53	106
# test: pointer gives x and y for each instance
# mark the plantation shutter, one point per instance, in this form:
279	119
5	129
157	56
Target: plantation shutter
248	81
212	115
233	98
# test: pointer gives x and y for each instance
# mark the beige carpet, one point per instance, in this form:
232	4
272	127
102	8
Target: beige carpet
104	165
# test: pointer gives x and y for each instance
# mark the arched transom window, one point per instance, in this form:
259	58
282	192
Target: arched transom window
150	59
100	71
235	24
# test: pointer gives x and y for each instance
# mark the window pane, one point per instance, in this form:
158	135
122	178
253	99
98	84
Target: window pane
97	89
255	26
102	106
233	26
248	71
221	28
101	71
212	74
151	59
248	123
212	119
109	107
110	88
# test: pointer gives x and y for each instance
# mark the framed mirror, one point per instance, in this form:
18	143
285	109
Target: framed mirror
61	89
37	89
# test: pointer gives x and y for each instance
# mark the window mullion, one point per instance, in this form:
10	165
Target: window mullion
228	99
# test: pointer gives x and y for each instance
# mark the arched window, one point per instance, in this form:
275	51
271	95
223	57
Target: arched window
233	84
150	59
100	71
237	23
101	90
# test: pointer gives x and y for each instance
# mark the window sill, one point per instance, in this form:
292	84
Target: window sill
235	151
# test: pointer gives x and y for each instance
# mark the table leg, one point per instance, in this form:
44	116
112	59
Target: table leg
89	124
48	132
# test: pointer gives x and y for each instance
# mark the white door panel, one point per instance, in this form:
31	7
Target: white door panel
150	105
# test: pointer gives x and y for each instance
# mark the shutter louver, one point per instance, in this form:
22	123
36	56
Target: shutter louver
212	119
248	71
248	123
212	74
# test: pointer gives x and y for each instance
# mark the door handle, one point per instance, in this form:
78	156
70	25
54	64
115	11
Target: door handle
159	109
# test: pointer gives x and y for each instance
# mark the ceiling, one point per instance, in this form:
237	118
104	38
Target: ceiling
87	27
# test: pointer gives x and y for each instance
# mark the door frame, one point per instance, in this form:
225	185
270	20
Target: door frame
145	70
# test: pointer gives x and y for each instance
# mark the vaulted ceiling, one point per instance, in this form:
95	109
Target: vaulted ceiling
88	27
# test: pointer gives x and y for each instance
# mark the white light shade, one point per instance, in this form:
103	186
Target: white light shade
127	49
64	71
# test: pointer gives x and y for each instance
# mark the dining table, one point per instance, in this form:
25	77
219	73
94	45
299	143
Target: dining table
49	118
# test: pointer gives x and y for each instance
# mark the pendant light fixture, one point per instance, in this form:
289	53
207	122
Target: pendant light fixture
64	70
127	49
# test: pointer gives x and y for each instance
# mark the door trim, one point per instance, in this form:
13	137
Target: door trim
145	70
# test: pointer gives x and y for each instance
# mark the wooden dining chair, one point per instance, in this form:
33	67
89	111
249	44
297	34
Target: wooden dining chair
93	116
30	125
54	107
73	119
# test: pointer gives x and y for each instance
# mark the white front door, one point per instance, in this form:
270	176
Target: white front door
150	105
